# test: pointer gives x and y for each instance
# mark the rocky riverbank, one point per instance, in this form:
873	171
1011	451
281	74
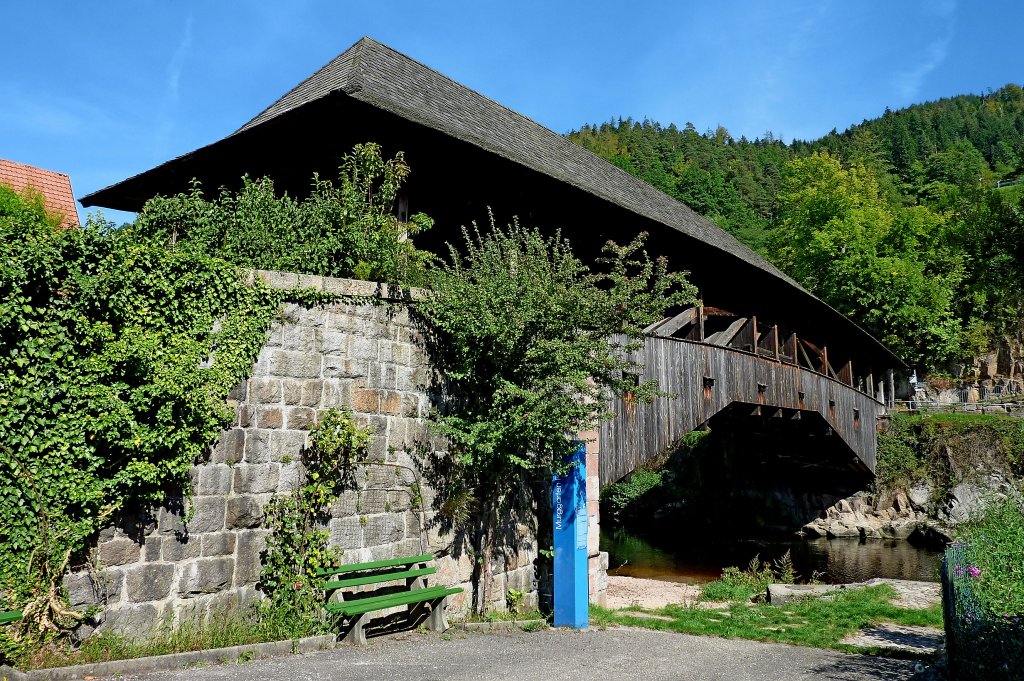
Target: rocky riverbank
874	516
915	513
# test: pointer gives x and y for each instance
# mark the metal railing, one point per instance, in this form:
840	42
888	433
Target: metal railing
932	406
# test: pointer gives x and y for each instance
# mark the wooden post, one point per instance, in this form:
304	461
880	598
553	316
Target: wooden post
700	320
892	390
775	341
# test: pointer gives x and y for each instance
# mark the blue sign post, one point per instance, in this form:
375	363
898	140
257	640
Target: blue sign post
569	503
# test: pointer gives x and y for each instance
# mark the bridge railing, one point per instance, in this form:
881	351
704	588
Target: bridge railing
721	328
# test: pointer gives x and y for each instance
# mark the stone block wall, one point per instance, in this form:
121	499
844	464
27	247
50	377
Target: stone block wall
367	355
597	560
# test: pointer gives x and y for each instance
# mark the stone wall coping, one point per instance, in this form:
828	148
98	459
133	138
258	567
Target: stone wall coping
287	281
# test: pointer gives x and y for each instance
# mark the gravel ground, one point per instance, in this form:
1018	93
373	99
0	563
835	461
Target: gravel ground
619	653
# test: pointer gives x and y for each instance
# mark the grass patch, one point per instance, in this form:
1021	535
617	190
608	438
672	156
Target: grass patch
819	623
744	585
220	631
996	554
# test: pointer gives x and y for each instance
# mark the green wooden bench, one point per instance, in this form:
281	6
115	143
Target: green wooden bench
8	617
415	593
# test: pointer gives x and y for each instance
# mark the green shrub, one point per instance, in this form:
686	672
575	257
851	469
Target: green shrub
899	463
521	332
996	552
116	359
298	545
944	449
620	499
343	230
743	585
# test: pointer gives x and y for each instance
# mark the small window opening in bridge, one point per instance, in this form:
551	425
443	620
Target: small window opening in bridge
856	418
762	387
832	409
800	398
709	382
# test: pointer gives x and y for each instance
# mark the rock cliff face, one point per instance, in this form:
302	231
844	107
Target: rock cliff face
911	513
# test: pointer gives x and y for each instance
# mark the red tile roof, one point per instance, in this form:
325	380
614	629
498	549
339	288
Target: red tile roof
55	187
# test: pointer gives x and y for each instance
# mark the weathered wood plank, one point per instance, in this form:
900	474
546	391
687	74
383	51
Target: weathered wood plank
708	378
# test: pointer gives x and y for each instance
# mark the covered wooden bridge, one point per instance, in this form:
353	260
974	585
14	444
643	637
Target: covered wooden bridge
769	350
712	362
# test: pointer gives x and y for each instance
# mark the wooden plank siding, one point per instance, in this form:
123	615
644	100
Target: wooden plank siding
708	378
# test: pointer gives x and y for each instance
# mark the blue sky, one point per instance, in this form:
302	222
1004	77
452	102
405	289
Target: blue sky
104	90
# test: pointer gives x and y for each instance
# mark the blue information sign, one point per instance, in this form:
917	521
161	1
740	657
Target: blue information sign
569	502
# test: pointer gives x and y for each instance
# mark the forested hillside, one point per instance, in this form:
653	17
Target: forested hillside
896	222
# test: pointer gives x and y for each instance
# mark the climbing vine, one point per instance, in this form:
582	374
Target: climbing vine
299	545
116	359
119	347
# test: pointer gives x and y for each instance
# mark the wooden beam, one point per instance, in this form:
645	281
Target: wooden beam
725	337
650	328
807	358
669	327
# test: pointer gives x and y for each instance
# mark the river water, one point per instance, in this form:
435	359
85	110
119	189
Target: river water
834	561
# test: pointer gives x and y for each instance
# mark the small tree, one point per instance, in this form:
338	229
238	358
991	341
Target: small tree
523	334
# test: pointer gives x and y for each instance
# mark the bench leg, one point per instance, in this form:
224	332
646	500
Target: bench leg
437	621
414	612
356	635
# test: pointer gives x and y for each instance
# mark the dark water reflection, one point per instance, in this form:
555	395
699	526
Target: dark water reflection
835	561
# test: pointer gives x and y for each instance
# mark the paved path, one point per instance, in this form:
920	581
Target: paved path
617	653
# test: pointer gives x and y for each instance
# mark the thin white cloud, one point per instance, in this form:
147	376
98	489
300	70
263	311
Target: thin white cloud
178	61
908	82
174	69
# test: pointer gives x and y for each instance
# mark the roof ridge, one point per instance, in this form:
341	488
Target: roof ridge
355	84
32	167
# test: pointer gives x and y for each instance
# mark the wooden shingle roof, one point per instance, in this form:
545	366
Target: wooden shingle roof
387	79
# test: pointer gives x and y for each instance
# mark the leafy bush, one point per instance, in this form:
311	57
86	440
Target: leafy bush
899	463
944	449
996	554
116	359
343	230
620	498
299	545
522	332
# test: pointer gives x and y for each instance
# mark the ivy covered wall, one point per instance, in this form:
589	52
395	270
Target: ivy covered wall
367	354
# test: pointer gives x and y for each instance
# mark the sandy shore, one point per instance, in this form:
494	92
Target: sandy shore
648	593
